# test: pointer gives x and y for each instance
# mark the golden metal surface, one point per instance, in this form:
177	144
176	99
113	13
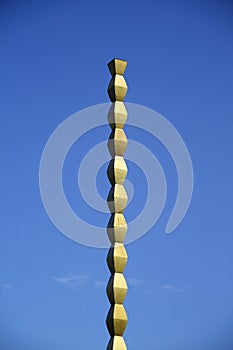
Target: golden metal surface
117	288
117	258
116	320
117	170
116	343
117	66
117	228
117	200
117	88
117	115
117	142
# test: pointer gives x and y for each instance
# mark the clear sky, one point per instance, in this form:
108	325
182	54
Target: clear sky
53	64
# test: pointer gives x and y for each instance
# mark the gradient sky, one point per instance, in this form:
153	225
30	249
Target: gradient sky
53	64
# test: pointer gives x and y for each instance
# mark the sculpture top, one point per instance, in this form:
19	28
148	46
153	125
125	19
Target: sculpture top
117	66
117	87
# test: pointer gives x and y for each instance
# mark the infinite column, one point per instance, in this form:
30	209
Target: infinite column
117	200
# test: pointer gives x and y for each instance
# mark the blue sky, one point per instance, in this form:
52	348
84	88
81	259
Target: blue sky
53	64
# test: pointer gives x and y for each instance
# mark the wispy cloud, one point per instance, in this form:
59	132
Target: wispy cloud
100	285
151	291
79	280
72	280
134	281
172	288
5	285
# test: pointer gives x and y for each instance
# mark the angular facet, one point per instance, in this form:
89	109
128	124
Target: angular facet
117	228
117	199
117	66
116	343
117	115
117	143
117	288
117	170
116	320
117	88
117	258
